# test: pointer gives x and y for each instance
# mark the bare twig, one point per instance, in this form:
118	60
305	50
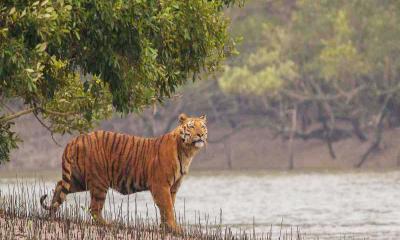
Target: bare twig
292	134
47	128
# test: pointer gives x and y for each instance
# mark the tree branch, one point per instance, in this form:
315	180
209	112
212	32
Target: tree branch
33	109
378	133
47	128
16	115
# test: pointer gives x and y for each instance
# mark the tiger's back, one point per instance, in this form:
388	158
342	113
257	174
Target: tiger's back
106	159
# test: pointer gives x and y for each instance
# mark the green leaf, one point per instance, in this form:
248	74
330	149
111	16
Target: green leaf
41	47
12	11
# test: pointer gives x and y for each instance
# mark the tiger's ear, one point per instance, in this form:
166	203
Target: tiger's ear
182	118
204	118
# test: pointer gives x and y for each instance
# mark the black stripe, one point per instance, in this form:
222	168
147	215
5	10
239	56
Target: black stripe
106	139
98	161
113	142
65	169
78	182
143	175
137	159
159	146
122	153
129	158
142	153
116	147
133	161
97	137
136	152
122	187
77	153
180	164
64	189
85	157
109	176
131	186
78	150
115	161
65	178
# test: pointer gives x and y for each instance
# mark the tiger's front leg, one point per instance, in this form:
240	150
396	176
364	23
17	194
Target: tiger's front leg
174	190
163	199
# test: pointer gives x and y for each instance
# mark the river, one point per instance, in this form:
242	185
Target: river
323	204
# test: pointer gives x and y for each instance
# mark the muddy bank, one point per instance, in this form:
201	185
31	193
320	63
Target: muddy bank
250	148
41	228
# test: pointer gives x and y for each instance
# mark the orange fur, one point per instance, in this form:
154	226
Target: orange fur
101	160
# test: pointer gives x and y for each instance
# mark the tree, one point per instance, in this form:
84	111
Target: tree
334	64
72	62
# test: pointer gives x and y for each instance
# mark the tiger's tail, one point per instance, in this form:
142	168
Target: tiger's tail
62	187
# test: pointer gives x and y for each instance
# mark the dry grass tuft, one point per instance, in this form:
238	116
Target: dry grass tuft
21	217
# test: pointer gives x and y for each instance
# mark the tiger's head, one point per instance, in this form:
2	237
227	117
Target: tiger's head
193	130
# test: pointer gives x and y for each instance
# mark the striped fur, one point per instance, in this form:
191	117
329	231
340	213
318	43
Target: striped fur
101	160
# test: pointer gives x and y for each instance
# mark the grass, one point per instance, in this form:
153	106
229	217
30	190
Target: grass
21	217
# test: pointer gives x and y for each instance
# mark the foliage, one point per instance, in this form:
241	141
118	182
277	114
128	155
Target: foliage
8	141
333	62
71	61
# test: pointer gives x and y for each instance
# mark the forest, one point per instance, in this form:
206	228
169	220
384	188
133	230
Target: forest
307	72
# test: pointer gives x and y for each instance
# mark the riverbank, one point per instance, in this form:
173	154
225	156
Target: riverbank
12	227
316	202
22	218
250	148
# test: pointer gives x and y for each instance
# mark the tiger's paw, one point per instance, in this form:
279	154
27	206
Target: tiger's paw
177	230
172	228
99	220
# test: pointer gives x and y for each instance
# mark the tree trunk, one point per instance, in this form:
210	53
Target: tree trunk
378	134
328	138
374	146
228	153
357	130
292	134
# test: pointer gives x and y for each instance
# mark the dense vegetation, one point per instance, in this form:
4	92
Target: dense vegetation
325	70
326	63
71	63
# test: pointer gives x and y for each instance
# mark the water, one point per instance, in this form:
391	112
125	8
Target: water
359	205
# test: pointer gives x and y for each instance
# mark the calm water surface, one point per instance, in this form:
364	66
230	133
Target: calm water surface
357	205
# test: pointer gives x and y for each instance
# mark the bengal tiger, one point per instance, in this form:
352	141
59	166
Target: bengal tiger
101	160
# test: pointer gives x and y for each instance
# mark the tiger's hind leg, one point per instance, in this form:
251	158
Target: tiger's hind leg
97	199
56	201
59	196
62	188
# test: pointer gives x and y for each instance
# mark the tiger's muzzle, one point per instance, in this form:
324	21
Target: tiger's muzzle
199	142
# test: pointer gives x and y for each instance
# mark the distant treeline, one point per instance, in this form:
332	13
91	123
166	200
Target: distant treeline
325	70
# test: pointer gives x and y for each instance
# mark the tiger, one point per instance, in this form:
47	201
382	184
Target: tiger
101	160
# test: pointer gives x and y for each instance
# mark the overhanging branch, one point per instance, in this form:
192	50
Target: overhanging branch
16	115
33	109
